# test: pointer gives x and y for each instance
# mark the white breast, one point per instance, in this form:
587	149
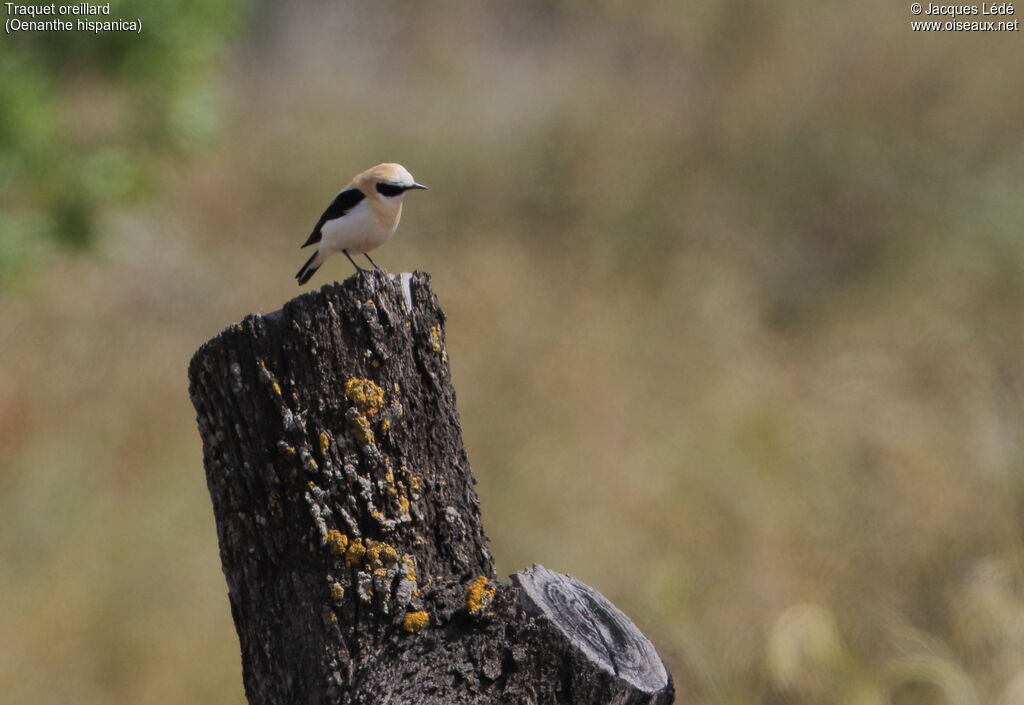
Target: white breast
359	230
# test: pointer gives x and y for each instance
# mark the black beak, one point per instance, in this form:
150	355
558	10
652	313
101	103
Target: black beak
419	186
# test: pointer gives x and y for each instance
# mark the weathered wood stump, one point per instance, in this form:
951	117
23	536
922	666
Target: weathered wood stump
350	532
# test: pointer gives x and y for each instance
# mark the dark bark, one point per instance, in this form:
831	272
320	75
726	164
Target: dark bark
350	532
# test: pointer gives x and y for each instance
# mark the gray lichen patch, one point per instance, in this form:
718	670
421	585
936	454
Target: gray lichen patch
319	511
236	377
364	586
308	462
405	591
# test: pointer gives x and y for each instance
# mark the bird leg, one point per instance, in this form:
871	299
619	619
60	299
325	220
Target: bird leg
372	262
358	268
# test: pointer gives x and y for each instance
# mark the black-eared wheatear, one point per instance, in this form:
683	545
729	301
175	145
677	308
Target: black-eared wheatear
361	218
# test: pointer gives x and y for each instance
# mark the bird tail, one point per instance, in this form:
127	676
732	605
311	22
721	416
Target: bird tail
309	268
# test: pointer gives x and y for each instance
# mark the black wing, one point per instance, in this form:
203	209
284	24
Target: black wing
342	204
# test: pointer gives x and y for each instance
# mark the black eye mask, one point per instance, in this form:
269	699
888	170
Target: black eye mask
389	189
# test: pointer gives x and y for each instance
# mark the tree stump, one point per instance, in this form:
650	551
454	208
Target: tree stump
349	529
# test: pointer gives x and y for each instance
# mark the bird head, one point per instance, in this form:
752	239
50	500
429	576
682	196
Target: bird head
391	181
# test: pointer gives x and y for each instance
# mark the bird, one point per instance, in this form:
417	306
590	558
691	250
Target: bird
362	217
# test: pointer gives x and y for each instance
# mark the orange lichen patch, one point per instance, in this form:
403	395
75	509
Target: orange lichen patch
414	621
479	595
269	376
364	394
389	555
337	541
380	553
356	551
435	338
361	429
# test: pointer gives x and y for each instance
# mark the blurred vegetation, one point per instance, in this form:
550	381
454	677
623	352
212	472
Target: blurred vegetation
88	119
734	296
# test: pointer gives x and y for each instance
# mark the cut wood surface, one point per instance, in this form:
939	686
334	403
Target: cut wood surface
349	528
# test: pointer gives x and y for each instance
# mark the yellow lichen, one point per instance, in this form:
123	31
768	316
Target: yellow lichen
479	595
389	477
435	338
379	553
385	425
277	388
403	504
337	591
410	567
325	442
361	429
290	450
355	553
414	621
337	541
364	394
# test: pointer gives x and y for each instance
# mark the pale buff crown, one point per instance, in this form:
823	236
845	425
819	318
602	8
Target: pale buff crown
394	174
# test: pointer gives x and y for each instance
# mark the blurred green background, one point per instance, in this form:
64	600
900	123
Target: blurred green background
735	296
